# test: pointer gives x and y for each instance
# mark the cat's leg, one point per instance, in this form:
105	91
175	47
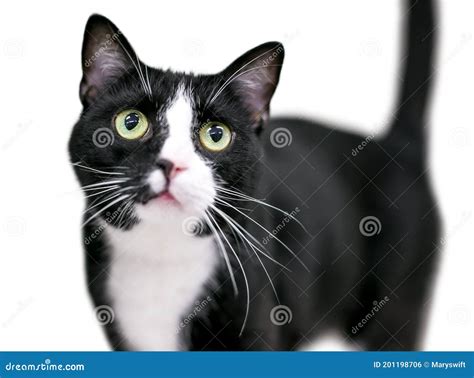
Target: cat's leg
401	272
400	318
225	324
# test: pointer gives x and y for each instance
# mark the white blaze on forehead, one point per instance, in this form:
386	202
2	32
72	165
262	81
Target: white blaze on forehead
178	146
194	186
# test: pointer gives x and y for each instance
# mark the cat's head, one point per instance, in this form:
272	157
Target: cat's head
151	145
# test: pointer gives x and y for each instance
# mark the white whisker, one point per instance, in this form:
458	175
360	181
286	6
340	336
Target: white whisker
231	78
243	273
125	208
242	229
105	208
224	252
101	202
224	216
138	71
263	228
97	170
148	79
147	91
103	183
103	191
242	73
246	197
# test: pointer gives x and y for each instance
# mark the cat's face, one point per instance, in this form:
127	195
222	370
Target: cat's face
152	145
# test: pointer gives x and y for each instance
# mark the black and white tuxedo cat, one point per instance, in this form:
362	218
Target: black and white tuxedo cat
206	229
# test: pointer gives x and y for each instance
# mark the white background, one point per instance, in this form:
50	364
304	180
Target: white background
342	60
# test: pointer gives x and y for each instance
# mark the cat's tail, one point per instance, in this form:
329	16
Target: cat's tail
410	115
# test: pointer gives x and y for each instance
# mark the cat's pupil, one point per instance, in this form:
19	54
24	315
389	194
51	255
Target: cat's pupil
216	133
131	121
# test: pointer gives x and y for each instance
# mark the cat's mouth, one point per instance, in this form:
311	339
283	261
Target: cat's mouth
164	197
189	193
167	196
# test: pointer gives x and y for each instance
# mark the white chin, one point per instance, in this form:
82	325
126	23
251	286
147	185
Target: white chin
193	191
161	210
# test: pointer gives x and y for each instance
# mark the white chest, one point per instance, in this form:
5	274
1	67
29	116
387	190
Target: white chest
156	277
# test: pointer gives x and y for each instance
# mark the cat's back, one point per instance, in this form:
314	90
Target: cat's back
313	159
307	166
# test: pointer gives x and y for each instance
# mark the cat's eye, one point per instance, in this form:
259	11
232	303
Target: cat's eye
215	136
131	124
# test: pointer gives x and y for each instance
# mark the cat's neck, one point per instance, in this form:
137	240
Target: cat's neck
156	276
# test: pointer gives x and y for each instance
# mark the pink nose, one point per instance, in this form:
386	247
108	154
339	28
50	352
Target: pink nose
169	168
176	169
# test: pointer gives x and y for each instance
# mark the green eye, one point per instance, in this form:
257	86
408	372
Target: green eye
131	124
215	136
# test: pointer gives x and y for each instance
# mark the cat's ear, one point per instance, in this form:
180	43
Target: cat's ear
106	55
254	77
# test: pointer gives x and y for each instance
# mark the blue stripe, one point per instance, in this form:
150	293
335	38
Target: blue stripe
240	364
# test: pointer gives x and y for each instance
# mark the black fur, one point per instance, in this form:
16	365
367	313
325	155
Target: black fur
322	176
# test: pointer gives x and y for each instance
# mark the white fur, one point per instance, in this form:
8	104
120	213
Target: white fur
155	278
156	180
158	269
194	187
178	147
329	342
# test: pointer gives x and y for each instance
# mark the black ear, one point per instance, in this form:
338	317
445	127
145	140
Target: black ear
106	55
254	77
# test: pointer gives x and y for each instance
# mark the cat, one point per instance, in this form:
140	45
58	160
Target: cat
211	226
